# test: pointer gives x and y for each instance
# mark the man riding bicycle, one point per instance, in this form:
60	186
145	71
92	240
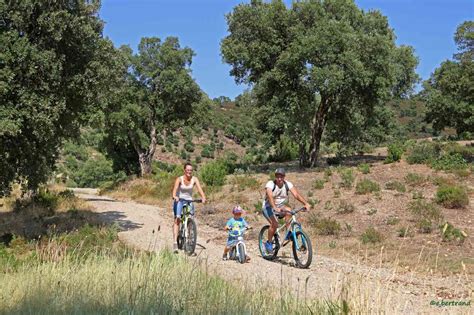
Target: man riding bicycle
275	203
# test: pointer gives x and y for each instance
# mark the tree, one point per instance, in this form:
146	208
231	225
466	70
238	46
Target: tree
449	92
53	68
313	62
156	95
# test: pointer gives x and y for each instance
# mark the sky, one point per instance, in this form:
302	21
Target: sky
426	25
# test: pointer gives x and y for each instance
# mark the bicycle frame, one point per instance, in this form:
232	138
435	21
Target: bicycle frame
291	227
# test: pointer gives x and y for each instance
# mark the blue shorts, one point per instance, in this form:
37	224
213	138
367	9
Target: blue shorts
178	207
231	241
268	212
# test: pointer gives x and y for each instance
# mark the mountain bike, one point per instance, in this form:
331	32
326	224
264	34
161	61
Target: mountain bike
239	250
301	244
187	235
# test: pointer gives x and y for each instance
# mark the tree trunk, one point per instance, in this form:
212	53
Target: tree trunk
145	157
303	155
318	124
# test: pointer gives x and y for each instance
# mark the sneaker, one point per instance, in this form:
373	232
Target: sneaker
175	248
268	247
247	258
224	257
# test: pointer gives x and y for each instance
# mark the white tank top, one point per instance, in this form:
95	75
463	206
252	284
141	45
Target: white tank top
185	192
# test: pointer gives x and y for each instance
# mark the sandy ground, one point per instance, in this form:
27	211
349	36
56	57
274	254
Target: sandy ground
367	288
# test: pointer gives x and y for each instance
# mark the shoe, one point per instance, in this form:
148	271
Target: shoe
288	236
175	248
268	247
247	258
224	257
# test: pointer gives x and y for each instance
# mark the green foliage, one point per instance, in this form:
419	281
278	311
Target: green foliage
395	185
450	162
450	233
395	151
423	152
371	235
366	186
405	232
189	146
452	196
425	214
347	177
345	207
392	220
448	92
319	184
273	47
364	168
285	150
207	151
324	226
415	179
55	67
243	182
213	173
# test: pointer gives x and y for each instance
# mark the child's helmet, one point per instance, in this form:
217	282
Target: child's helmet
237	209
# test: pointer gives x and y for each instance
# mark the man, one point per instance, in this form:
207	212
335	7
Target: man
275	203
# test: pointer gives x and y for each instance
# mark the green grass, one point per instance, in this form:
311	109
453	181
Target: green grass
371	236
415	179
395	185
324	226
452	196
425	214
366	186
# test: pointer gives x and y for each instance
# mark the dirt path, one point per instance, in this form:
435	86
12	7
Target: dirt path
366	287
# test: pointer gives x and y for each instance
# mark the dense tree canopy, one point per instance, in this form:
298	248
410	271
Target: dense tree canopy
53	64
449	93
157	93
315	63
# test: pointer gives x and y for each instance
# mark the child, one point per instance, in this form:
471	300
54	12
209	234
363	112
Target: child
235	225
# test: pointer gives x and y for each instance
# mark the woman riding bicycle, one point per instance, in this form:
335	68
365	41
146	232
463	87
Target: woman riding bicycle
275	200
182	191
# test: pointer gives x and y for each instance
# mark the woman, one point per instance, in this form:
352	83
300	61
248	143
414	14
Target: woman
183	190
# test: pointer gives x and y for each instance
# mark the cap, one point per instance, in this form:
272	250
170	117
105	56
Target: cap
280	170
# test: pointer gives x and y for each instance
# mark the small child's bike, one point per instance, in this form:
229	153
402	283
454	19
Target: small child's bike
301	244
239	251
187	235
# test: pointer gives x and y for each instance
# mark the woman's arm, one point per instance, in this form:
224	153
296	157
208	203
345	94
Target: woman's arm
201	192
175	189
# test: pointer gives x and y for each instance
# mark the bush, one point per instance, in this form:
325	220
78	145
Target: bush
213	174
450	233
404	232
285	150
325	226
452	196
198	160
189	147
423	152
345	207
395	151
207	151
371	235
392	220
414	179
347	178
364	168
425	214
366	186
94	172
395	185
318	184
450	162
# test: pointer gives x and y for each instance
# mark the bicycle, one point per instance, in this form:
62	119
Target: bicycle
239	250
301	244
187	235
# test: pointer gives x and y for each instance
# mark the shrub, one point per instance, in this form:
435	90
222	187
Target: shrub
324	226
371	235
404	232
392	220
198	160
345	207
318	184
347	178
189	146
285	150
94	172
366	186
371	211
395	151
452	196
423	152
364	168
395	185
414	179
449	162
441	181
450	233
207	151
425	214
213	174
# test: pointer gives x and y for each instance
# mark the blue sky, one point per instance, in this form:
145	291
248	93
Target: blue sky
427	25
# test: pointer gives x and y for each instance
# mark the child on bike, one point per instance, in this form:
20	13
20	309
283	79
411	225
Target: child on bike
235	226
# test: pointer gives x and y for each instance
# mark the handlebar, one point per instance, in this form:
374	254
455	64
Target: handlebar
292	212
192	200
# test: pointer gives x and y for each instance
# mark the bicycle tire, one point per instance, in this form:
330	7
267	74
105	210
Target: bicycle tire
180	238
305	248
242	255
190	242
262	238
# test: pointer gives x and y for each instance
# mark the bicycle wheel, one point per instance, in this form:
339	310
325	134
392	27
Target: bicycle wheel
302	250
190	243
241	251
262	238
180	238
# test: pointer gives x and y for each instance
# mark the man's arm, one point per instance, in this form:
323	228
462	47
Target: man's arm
300	198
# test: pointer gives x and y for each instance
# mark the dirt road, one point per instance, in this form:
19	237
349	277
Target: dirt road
367	288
